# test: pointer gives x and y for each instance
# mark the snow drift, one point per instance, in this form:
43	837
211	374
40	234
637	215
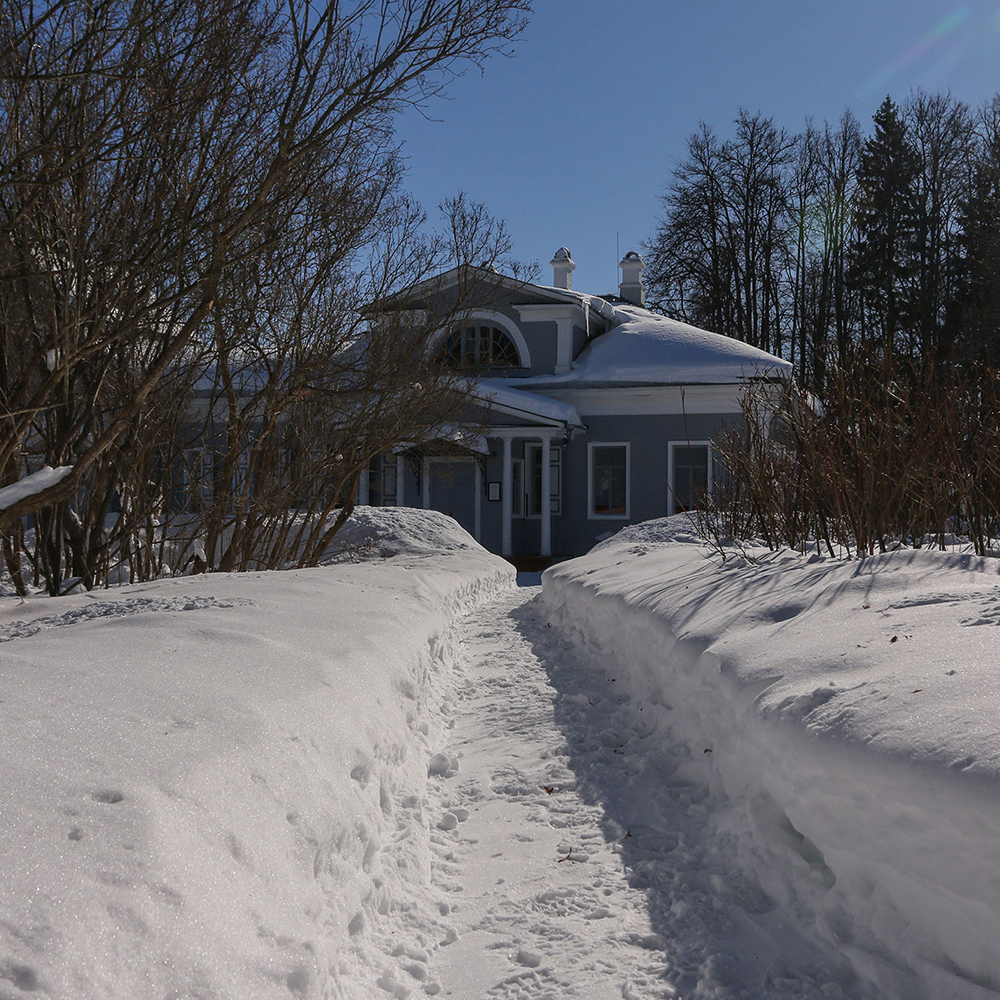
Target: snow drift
847	712
213	786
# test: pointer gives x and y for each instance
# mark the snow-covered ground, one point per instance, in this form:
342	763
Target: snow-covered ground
836	722
403	777
215	786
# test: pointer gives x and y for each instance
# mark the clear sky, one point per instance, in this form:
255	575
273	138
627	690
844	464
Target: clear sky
572	140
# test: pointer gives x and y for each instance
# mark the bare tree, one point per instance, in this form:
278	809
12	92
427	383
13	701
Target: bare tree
689	272
823	187
942	132
307	380
720	257
151	153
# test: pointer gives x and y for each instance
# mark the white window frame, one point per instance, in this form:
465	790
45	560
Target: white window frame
487	317
555	479
671	445
591	516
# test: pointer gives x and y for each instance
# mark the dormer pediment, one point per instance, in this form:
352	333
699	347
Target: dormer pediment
566	316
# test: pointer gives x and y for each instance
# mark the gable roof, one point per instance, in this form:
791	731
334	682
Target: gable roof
639	348
518	290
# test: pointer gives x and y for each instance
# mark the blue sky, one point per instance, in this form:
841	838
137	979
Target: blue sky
572	140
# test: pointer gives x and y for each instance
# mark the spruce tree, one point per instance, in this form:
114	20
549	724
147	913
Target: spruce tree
884	259
980	240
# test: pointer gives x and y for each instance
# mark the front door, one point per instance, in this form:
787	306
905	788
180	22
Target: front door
453	490
533	483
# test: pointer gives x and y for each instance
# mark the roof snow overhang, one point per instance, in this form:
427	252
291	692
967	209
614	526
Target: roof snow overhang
539	409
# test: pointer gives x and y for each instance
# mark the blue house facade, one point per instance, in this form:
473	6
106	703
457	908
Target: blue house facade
595	413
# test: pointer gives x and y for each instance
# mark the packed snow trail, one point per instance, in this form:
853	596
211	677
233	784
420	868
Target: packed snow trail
575	854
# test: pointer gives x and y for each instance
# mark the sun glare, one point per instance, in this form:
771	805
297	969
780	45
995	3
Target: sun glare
944	41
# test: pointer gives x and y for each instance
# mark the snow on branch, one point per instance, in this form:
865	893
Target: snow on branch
31	485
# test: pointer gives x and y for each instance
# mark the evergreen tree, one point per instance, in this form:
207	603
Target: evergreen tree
884	265
980	239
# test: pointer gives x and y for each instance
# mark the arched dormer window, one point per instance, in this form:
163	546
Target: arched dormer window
481	345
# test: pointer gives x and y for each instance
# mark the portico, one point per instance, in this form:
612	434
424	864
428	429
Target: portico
502	482
507	435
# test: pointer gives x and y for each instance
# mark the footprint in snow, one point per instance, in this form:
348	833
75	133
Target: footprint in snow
441	765
537	984
109	797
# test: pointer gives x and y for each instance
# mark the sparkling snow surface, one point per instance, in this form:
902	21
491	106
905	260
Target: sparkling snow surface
405	778
841	724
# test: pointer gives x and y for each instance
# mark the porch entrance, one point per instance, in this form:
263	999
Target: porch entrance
453	490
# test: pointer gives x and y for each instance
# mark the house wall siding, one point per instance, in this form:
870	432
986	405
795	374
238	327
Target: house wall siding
541	339
573	530
648	436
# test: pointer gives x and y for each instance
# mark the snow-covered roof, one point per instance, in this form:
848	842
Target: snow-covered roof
645	348
462	436
597	303
529	404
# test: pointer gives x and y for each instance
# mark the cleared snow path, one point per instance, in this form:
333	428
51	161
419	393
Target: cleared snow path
574	853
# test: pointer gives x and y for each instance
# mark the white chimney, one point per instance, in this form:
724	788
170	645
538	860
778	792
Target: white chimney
562	269
631	287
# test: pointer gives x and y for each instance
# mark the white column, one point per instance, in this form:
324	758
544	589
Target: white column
478	534
400	481
425	482
506	498
546	498
363	488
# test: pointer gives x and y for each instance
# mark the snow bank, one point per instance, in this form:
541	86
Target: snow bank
847	712
215	786
390	531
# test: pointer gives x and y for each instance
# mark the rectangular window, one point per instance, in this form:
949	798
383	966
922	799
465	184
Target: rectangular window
197	474
533	459
689	467
517	487
608	480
